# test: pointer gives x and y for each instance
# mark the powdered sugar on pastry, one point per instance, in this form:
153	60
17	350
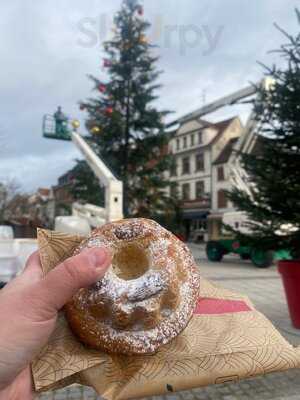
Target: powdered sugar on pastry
146	297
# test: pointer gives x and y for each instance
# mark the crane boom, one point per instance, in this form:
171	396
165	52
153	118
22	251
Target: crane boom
60	129
95	163
113	209
216	105
245	144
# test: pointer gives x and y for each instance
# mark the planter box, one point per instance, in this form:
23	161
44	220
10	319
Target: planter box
290	273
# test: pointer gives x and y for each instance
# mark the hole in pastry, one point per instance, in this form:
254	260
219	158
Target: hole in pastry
130	262
166	312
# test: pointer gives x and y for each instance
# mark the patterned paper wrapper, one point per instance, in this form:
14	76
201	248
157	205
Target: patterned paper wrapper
226	340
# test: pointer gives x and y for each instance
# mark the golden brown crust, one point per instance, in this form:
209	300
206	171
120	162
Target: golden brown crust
145	299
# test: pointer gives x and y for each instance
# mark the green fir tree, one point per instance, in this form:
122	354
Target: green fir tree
85	185
126	126
274	207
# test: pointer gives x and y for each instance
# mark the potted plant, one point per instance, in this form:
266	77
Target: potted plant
273	168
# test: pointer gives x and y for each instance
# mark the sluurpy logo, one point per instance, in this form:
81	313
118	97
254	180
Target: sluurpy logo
92	31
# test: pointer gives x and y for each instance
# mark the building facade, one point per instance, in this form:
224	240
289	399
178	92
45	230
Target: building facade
220	184
196	145
62	194
41	207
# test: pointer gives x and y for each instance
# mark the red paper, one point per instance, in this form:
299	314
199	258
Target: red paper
220	306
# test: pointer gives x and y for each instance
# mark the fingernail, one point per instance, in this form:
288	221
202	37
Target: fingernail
98	257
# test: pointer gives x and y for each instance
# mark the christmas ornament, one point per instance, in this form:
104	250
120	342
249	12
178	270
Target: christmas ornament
95	130
109	110
140	10
75	124
143	39
102	88
82	107
106	63
126	46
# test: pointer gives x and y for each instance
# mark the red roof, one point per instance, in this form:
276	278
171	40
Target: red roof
44	191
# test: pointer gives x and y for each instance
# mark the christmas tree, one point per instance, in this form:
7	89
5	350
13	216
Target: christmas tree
274	171
127	128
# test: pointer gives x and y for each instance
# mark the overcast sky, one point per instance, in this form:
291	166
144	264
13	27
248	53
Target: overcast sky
208	49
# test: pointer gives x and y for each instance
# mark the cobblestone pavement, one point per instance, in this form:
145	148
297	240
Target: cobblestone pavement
264	288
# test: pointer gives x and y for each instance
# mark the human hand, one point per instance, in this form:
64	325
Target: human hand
28	308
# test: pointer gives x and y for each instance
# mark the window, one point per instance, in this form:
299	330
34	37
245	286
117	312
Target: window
192	140
173	169
186	191
185	142
200	138
185	165
200	162
173	191
222	199
177	144
199	189
221	175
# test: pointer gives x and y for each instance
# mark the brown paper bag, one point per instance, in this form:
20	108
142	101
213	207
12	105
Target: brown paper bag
226	340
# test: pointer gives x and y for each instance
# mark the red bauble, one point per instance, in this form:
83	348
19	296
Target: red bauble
140	11
109	110
102	88
106	63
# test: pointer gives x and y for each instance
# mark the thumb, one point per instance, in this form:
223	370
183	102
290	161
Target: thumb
77	272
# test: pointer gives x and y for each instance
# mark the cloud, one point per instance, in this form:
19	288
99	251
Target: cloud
44	64
32	171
